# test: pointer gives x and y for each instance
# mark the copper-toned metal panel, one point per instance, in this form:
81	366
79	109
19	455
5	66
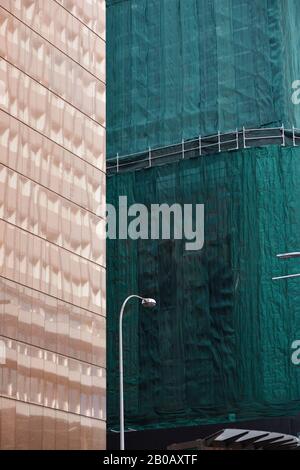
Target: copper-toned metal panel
91	13
63	31
32	54
41	377
61	222
33	104
29	153
52	202
46	322
48	268
26	426
7	424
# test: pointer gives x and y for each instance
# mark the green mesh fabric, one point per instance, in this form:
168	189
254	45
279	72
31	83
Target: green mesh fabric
219	343
290	14
218	346
180	68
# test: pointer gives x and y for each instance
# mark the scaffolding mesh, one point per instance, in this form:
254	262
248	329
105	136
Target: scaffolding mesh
205	146
218	346
182	68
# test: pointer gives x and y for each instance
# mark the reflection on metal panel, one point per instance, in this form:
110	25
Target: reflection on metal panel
19	197
27	426
91	13
46	322
49	66
41	377
50	165
34	105
66	32
48	268
52	251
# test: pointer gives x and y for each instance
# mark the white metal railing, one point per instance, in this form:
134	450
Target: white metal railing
205	145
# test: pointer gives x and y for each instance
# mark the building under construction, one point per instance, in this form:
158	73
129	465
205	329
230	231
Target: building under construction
203	107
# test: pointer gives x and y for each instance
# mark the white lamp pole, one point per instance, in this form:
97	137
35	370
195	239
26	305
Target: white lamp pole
146	303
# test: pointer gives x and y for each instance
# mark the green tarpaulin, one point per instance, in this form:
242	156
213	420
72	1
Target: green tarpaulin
180	68
218	345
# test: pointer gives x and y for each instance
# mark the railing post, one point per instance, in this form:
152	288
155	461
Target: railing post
283	136
294	140
244	138
237	132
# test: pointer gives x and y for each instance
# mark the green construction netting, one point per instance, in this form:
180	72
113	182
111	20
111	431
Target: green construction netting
218	346
180	68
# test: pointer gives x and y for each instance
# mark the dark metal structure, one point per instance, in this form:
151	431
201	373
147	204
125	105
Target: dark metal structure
241	439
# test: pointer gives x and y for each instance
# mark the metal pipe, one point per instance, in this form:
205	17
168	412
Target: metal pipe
289	276
295	254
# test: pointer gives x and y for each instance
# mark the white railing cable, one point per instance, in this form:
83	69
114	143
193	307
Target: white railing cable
204	145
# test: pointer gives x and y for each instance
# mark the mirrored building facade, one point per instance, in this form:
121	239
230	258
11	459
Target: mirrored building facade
52	254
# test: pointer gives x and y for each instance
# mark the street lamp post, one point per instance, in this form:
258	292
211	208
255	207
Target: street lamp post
146	302
294	254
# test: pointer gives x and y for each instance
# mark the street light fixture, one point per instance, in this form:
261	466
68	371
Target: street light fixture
148	303
294	254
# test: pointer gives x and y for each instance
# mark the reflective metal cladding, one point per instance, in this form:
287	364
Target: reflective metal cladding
52	256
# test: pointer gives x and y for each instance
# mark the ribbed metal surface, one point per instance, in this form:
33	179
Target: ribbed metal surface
242	439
